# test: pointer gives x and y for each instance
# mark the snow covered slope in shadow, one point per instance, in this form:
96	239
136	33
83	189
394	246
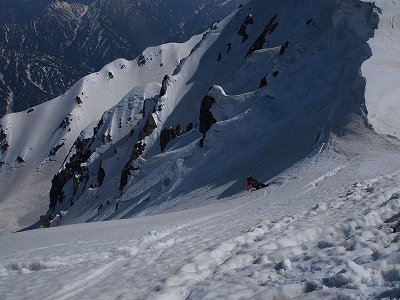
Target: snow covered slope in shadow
262	90
382	71
288	241
34	143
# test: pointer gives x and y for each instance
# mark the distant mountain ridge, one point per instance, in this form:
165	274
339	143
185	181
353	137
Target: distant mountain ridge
21	11
41	58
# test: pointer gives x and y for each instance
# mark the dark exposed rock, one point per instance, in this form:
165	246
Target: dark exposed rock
164	85
243	32
243	28
148	127
45	221
20	160
73	168
106	138
249	20
101	175
228	48
189	127
169	134
3	141
165	138
97	128
310	22
55	149
141	60
65	122
259	43
263	82
78	100
178	130
30	110
206	118
138	150
284	46
110	75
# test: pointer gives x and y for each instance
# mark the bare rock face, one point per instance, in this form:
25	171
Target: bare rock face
283	48
101	175
74	170
269	29
164	85
243	28
169	134
138	150
3	141
206	119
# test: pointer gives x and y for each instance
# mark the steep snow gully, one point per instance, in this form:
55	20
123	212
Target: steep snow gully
291	92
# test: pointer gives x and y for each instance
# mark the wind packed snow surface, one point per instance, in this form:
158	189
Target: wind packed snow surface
326	228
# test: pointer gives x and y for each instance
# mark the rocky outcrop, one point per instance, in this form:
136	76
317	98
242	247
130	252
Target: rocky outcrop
55	149
283	48
3	141
73	169
78	100
65	122
138	150
148	127
243	28
164	85
101	175
169	134
310	22
259	43
141	60
206	119
263	82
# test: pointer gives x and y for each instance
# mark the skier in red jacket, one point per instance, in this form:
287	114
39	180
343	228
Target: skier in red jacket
254	183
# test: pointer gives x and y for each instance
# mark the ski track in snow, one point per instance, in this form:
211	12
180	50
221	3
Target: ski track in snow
314	184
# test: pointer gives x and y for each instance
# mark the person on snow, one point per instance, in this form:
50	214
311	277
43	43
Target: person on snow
254	183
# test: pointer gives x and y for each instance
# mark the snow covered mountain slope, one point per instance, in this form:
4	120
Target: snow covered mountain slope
274	91
35	142
323	230
226	112
382	71
223	113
